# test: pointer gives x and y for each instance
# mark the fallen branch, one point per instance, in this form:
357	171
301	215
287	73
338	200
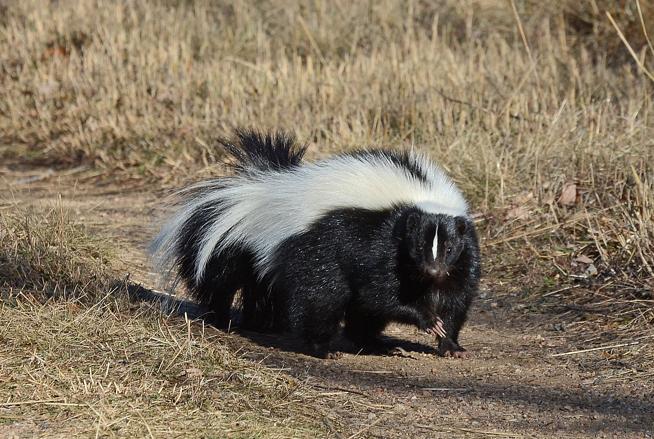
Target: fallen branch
445	389
595	349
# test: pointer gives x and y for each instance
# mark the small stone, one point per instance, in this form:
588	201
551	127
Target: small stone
591	270
568	195
193	372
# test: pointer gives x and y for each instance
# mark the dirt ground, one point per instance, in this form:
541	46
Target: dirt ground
511	387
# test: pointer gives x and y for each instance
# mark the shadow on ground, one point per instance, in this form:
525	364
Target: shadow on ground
601	410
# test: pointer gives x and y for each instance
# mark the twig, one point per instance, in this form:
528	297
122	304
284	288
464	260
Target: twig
521	30
581	308
477	107
34	178
560	290
366	428
445	389
341	389
40	401
595	349
467	430
487	433
642	24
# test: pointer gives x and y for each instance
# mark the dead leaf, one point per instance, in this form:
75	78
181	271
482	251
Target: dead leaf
55	52
568	195
517	212
584	259
524	198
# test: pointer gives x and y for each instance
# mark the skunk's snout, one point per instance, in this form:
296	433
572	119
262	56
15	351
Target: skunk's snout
437	271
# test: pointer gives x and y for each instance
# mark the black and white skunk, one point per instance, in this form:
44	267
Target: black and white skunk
365	238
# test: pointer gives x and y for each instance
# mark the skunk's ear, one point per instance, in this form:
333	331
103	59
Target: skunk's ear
461	225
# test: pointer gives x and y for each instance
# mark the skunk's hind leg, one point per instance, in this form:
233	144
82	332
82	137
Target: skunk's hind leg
220	303
316	306
224	275
364	331
256	311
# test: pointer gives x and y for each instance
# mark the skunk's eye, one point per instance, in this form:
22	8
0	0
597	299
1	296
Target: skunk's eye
449	250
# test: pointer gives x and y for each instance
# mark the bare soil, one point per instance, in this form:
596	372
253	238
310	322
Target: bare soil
512	386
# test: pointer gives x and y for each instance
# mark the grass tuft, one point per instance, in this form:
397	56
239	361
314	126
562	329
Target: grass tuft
48	252
120	370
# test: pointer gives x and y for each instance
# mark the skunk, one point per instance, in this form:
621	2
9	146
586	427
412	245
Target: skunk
365	238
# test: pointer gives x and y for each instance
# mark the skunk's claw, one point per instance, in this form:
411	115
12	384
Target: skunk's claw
437	328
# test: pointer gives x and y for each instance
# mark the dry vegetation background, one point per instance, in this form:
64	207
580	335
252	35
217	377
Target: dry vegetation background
537	109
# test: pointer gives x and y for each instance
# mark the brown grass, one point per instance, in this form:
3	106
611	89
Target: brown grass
120	370
521	101
135	85
45	250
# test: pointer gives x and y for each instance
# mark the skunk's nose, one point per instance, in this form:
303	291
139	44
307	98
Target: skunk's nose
437	272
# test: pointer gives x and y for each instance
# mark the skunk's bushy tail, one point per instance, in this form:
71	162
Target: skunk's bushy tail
264	152
178	250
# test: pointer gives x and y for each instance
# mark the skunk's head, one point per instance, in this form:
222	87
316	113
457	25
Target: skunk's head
435	242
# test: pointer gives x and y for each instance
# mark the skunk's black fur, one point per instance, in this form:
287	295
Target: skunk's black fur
364	267
319	282
264	152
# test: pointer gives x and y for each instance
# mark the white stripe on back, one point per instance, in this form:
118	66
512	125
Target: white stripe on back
261	209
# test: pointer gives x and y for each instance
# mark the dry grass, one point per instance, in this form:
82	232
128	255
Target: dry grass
119	370
516	103
46	251
115	368
537	109
139	85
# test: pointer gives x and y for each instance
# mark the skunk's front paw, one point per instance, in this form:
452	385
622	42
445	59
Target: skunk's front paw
457	354
447	348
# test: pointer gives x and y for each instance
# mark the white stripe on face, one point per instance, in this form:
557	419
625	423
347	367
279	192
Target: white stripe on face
434	247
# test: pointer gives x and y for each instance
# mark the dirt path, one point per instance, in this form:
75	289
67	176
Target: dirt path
512	387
